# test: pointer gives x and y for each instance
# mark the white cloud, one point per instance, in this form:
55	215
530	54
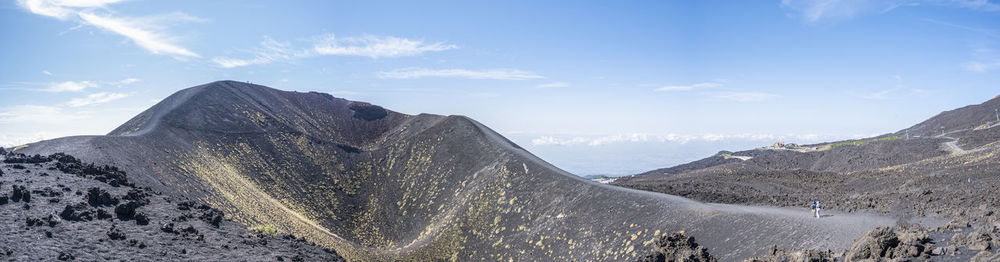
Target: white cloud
76	86
634	137
705	85
72	86
139	32
499	74
672	138
366	46
231	62
61	9
554	84
96	99
128	81
46	72
548	140
743	96
376	46
146	32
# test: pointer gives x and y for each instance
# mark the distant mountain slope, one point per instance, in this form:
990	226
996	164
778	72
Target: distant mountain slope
927	174
379	185
838	159
967	117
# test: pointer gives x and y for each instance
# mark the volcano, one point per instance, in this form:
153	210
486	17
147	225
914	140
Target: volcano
378	185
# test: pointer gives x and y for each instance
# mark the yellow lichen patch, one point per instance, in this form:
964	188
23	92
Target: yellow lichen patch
649	242
231	189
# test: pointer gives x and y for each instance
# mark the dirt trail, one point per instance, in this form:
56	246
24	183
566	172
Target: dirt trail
955	149
744	158
953	146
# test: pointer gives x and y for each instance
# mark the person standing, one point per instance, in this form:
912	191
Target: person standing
819	207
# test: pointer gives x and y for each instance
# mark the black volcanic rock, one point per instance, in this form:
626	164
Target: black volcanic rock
63	256
97	197
25	159
678	247
142	220
102	214
126	211
20	193
137	195
78	212
168	228
875	244
212	217
116	234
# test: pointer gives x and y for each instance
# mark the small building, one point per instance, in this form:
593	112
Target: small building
778	144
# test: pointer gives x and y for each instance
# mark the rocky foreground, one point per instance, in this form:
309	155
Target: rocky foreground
58	208
956	241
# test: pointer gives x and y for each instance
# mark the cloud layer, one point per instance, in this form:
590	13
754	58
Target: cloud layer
671	137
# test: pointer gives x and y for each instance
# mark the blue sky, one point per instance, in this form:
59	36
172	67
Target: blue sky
609	87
